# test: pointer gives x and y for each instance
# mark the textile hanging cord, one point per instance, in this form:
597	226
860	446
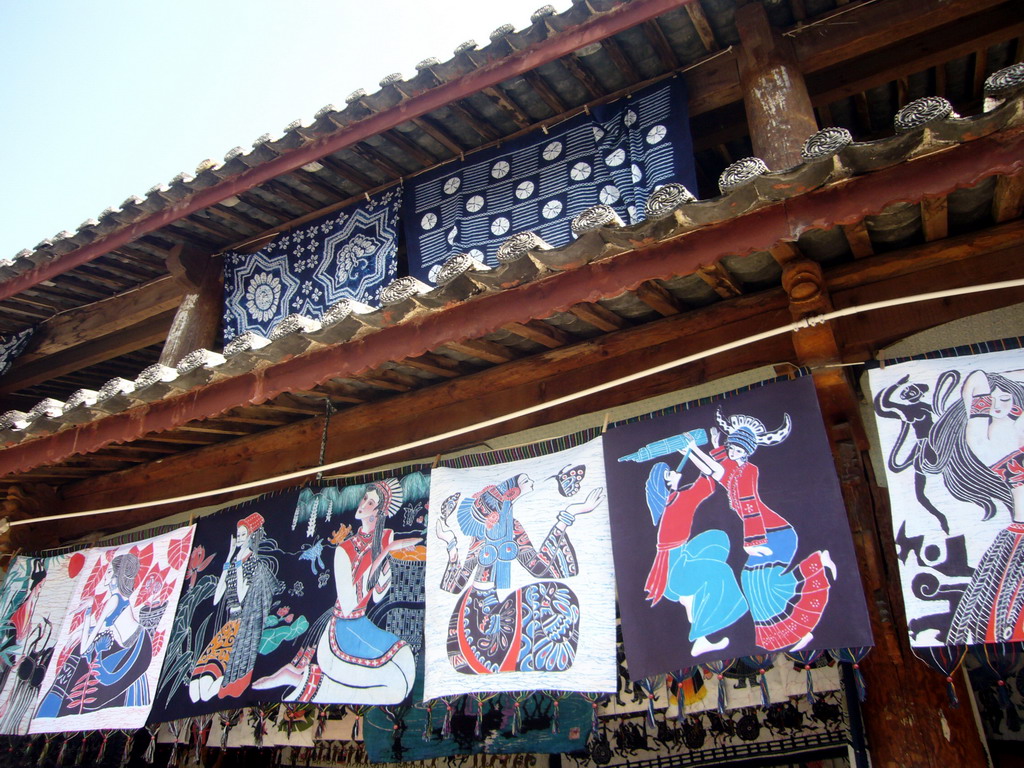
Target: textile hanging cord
449	711
719	668
428	725
228	720
557	697
360	712
480	699
150	754
1000	661
595	700
518	699
104	738
807	659
808	322
679	679
946	659
328	411
129	739
176	727
761	662
649	685
853	657
63	749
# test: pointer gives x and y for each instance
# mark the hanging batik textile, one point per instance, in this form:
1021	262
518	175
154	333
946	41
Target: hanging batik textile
107	658
11	346
537	183
952	440
348	254
33	602
520	588
730	534
312	595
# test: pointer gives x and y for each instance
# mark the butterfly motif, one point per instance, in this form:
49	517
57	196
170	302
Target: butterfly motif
570	479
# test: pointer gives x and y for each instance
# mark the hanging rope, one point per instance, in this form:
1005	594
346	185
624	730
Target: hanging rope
853	657
946	659
807	659
719	668
761	662
328	410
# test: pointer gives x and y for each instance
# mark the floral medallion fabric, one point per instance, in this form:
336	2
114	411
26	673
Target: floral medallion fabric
307	596
12	345
106	661
730	535
348	254
520	589
33	602
952	438
617	155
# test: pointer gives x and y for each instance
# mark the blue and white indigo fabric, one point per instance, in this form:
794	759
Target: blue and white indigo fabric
617	155
12	345
348	254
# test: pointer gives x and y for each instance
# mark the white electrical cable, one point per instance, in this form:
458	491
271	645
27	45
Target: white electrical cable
794	326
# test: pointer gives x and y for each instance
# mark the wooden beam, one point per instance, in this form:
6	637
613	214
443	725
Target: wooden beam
961	165
934	218
97	350
483	349
492	391
720	280
1008	201
859	239
507	387
348	173
439	365
413	150
505	102
84	324
540	333
581	73
916	53
701	26
597	316
547	93
852	33
654	34
439	135
657	298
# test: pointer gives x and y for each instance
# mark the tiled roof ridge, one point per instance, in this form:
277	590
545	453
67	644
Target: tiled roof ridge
829	157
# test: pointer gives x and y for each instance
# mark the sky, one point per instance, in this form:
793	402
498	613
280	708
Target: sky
103	99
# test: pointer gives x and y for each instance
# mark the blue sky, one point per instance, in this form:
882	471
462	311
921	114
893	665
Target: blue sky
102	99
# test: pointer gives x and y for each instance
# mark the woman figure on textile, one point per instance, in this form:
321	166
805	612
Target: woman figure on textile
244	594
536	627
107	668
694	572
977	445
350	660
785	602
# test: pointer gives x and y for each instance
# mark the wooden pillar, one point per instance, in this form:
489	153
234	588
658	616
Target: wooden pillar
779	111
196	324
907	717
